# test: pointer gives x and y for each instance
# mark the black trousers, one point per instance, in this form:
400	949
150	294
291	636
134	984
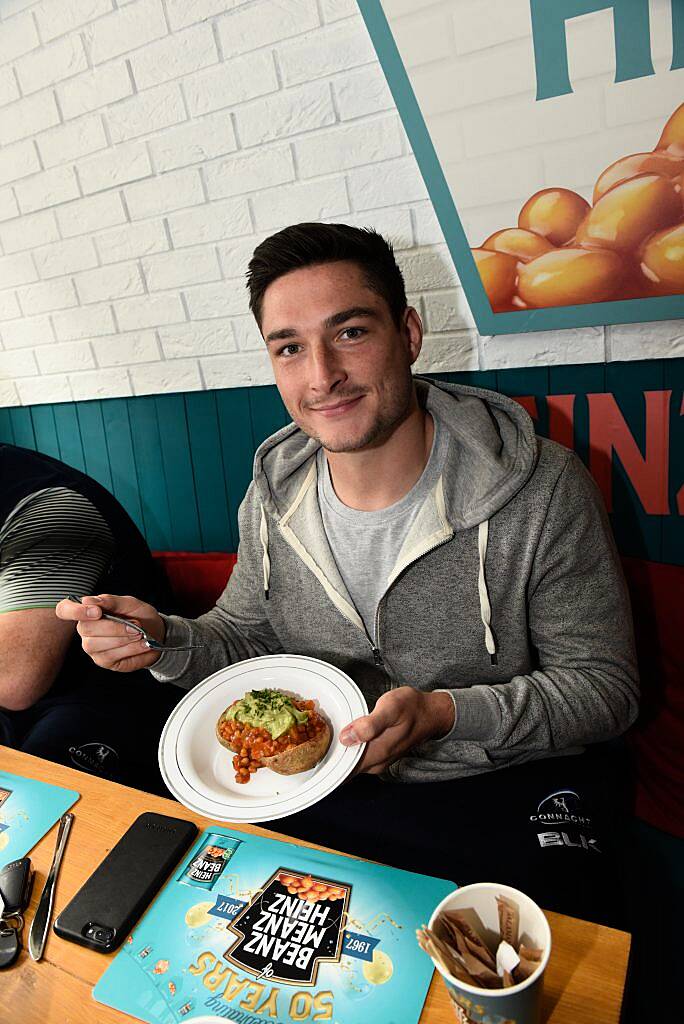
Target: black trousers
107	728
553	828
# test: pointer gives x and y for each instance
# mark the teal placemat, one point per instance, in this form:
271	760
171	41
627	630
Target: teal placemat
234	936
28	810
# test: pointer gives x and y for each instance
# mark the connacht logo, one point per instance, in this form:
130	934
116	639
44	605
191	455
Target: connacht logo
290	927
562	806
95	757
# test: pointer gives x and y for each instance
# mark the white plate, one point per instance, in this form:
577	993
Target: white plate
199	771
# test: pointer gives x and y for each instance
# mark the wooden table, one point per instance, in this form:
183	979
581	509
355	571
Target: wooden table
583	982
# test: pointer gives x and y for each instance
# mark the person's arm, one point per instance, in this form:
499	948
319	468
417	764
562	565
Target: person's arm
586	687
33	645
235	629
53	542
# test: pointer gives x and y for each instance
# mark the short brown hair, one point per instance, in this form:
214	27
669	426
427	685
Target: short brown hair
309	244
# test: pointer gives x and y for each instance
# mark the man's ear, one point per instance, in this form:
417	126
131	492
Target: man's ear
413	332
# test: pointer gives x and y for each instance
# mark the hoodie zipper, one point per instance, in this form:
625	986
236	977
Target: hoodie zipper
377	654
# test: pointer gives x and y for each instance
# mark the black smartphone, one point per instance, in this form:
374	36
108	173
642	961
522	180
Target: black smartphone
106	907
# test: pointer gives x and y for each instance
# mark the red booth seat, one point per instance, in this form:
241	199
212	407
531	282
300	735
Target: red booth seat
196	579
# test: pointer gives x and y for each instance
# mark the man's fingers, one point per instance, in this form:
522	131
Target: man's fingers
104	627
116	604
93	605
365	729
127	657
97	645
71	611
376	756
113	645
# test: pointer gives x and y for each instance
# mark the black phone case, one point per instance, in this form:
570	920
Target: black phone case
117	892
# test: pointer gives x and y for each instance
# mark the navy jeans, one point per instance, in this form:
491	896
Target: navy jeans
553	828
107	728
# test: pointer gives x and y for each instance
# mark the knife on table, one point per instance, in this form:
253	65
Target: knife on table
41	921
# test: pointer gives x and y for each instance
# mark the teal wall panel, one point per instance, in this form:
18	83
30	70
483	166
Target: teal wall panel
6	432
579	381
636	532
207	462
154	497
267	411
69	436
45	430
238	447
117	428
22	426
94	442
176	458
180	464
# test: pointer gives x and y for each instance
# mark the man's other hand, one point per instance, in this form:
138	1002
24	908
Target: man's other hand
401	720
110	644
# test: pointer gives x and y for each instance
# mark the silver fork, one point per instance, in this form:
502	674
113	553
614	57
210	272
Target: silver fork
154	645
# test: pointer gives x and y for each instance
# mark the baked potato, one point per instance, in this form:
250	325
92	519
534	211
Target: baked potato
302	756
269	728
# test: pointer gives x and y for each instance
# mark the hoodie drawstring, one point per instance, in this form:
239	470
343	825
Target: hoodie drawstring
485	606
266	561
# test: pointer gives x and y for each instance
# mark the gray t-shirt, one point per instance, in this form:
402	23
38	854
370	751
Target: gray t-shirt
366	545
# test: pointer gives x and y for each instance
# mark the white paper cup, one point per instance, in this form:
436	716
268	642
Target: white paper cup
520	1004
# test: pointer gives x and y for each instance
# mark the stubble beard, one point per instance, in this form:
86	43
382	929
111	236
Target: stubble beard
399	408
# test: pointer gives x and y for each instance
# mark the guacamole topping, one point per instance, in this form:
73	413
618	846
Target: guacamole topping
268	709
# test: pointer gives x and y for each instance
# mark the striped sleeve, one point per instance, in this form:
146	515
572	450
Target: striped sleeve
53	543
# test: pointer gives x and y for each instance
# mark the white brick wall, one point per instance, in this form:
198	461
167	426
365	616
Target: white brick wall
85	322
123	349
94	90
51	64
229	84
125	30
70	141
201	140
86	216
147	146
105	283
17	161
131	240
28	232
46	297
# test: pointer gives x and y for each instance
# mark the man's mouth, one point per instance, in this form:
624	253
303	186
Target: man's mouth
340	408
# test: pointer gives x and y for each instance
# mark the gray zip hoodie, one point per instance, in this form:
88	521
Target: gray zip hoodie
508	593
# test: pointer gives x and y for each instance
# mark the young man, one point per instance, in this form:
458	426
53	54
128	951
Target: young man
423	539
62	533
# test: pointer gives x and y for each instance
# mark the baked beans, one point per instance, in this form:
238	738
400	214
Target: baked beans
310	889
252	744
629	244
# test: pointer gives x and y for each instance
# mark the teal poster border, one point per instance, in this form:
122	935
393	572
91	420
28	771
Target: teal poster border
670	307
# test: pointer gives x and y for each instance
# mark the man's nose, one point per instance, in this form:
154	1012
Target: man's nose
325	369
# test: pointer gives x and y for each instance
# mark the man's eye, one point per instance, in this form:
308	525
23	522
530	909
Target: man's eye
288	350
352	333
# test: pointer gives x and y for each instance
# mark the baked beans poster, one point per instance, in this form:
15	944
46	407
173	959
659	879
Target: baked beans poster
252	929
550	135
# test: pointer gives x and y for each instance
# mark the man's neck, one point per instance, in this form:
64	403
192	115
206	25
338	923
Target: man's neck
377	477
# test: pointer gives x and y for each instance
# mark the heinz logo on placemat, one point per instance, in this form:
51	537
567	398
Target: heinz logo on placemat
291	926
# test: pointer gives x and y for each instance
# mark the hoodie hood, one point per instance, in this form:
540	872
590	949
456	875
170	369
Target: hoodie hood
493	451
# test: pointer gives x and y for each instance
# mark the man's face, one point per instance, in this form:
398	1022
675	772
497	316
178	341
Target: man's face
341	364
